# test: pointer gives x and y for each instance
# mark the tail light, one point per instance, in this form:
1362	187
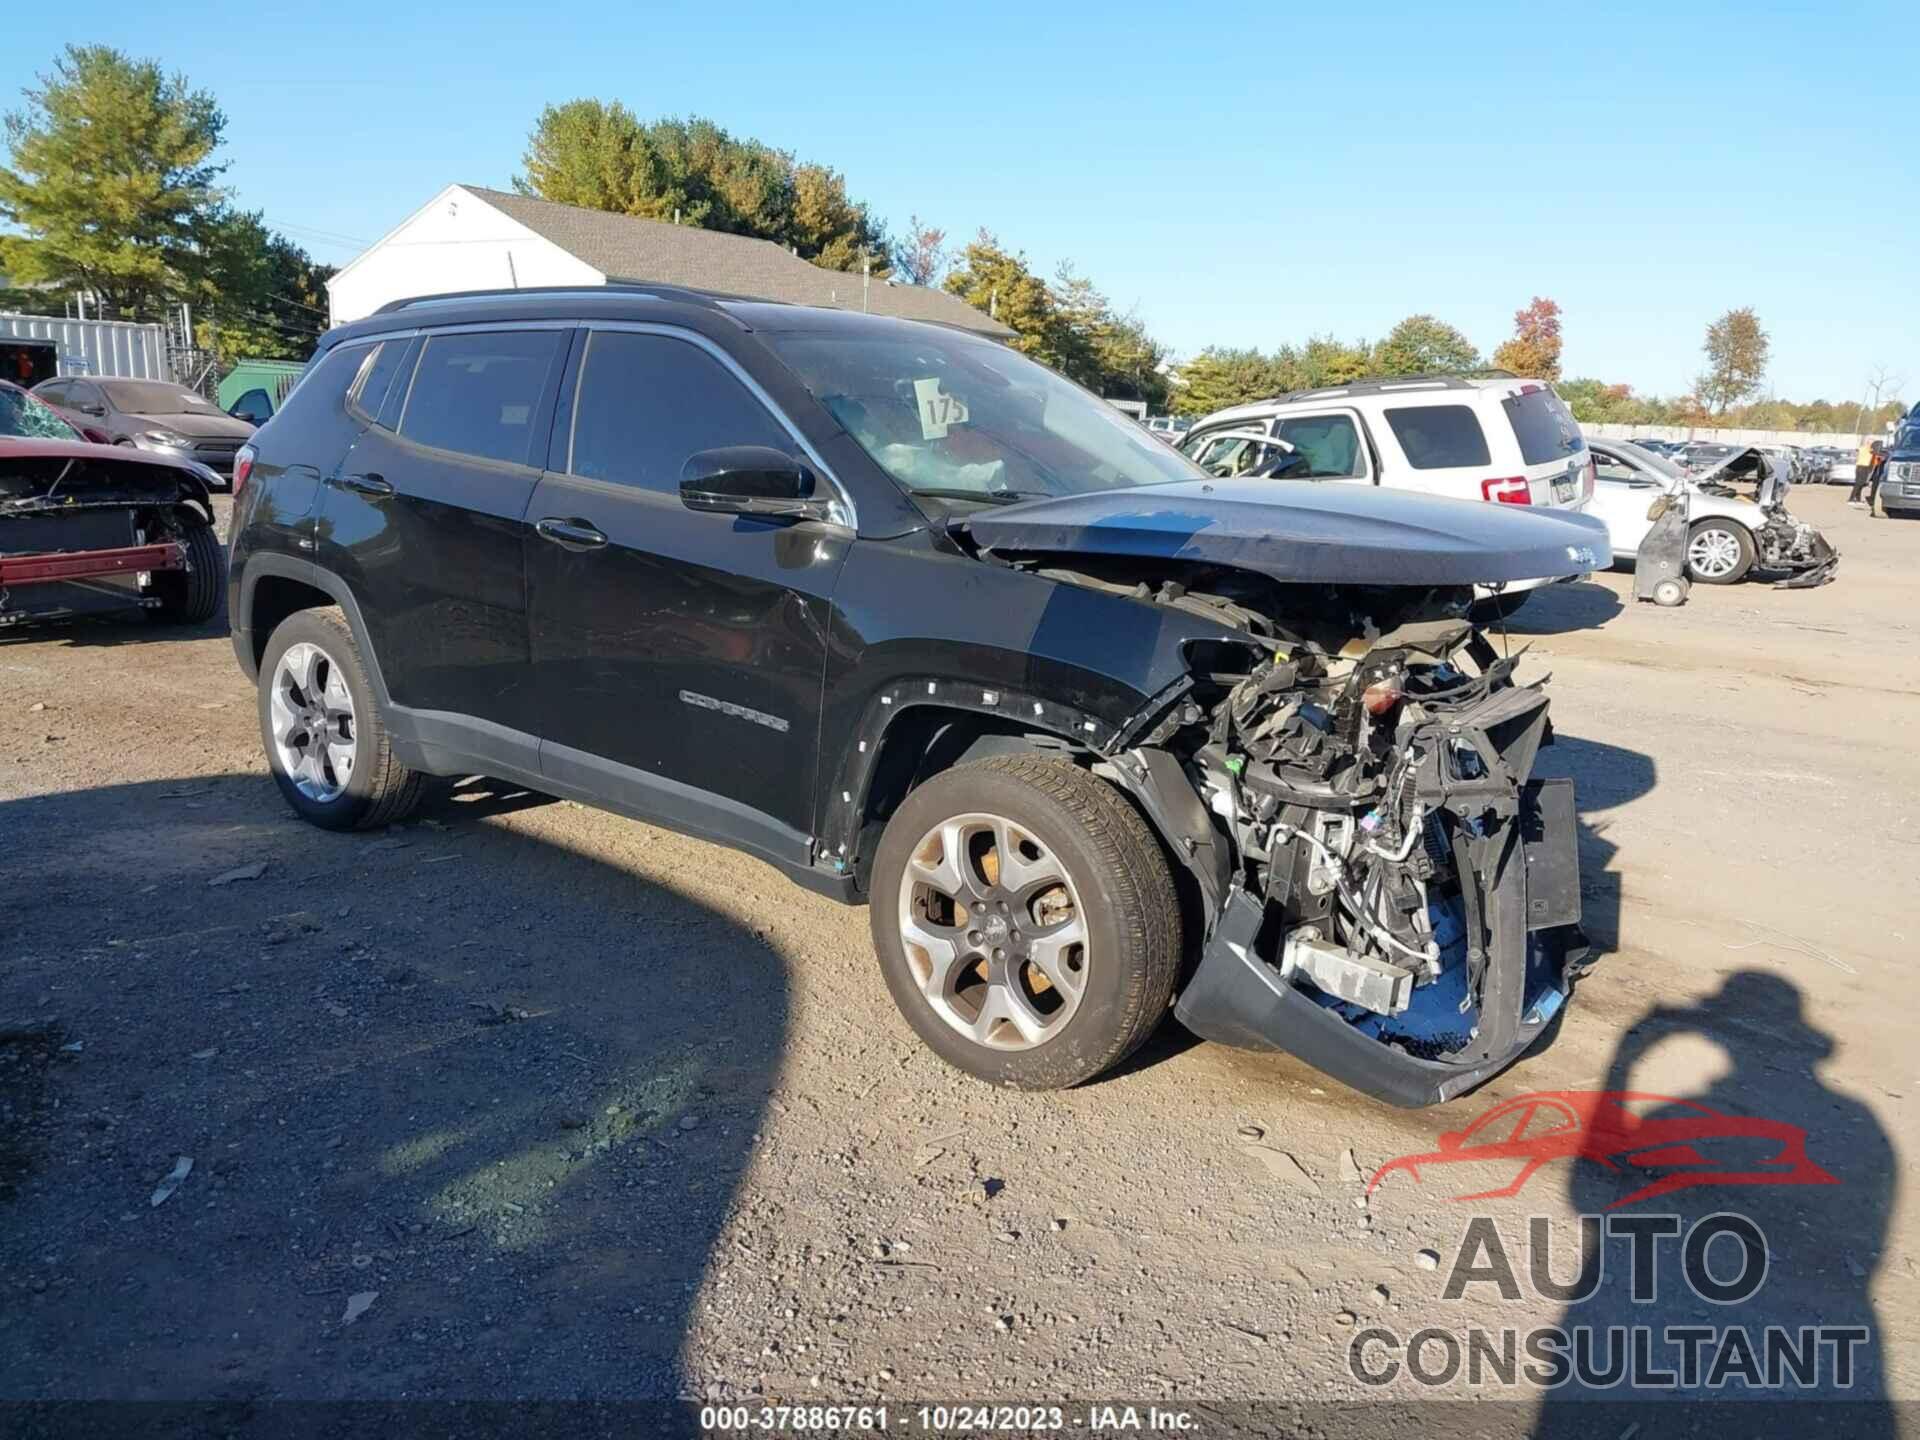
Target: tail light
1593	478
1514	490
242	468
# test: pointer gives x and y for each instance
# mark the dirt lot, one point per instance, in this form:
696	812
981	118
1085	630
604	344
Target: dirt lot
595	1111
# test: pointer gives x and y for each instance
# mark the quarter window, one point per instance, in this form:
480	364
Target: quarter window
647	402
1439	437
479	393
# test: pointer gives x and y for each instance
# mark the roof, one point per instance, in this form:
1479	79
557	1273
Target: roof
624	247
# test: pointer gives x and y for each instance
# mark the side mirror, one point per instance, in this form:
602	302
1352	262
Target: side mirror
91	409
750	480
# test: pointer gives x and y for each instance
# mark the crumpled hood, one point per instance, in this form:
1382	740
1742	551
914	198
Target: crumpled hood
1307	531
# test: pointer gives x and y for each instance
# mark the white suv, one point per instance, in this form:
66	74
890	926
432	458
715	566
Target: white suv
1506	441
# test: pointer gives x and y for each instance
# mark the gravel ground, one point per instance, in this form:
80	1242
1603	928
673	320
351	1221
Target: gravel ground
591	1110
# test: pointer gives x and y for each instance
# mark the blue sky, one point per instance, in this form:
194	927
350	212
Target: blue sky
1240	174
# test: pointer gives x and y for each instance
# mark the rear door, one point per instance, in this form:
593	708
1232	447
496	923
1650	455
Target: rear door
679	657
424	520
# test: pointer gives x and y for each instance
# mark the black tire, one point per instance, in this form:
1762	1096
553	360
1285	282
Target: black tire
1742	539
380	790
1127	900
192	596
1497	607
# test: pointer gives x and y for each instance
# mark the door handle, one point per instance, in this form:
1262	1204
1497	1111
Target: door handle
376	487
570	534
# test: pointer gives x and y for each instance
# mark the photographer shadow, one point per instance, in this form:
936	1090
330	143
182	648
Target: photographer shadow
1823	1213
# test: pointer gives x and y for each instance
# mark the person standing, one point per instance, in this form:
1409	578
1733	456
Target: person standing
1862	469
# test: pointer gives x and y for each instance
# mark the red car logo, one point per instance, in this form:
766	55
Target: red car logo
1683	1142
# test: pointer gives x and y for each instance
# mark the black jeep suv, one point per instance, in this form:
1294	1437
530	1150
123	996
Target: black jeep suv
919	622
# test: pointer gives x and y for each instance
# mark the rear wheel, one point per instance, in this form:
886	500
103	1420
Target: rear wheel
326	742
1719	552
191	596
1026	921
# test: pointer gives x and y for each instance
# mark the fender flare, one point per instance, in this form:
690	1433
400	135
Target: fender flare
291	567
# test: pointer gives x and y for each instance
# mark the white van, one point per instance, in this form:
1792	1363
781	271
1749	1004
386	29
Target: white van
1504	441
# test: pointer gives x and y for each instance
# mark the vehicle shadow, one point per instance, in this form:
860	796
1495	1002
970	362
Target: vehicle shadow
493	1094
1556	609
1824	1223
118	627
1605	777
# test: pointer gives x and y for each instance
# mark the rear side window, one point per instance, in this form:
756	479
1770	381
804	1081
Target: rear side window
647	402
1439	437
1544	427
479	393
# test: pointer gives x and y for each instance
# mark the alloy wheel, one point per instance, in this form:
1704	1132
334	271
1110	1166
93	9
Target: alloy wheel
314	735
994	933
1713	553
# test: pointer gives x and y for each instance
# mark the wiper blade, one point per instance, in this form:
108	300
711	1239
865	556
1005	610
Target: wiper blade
984	497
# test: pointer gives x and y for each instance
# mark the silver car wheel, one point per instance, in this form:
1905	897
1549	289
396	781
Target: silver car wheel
994	933
314	735
1712	553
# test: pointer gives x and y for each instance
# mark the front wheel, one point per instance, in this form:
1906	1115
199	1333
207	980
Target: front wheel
190	596
1719	552
326	741
1026	921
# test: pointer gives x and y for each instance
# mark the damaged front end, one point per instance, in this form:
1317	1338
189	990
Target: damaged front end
1781	543
1404	909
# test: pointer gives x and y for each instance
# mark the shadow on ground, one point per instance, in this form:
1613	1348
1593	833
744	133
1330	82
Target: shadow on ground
505	1090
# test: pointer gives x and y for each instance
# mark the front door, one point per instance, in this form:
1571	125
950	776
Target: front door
679	657
1622	493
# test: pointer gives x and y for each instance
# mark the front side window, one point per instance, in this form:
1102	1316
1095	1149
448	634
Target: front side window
1329	447
21	414
958	420
1439	437
1544	427
479	393
647	402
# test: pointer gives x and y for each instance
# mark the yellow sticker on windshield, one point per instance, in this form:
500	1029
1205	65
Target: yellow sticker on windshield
938	409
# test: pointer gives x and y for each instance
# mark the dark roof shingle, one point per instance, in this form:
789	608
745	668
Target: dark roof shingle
624	247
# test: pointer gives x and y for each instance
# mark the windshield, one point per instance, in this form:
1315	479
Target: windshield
956	419
1654	459
152	397
21	414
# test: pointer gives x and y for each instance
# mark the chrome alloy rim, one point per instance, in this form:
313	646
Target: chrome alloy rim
995	936
315	737
1713	553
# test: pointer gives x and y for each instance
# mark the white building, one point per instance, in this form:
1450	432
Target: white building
469	238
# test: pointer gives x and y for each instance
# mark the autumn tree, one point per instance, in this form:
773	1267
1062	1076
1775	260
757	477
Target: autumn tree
1423	345
111	181
1534	350
598	154
1737	350
920	256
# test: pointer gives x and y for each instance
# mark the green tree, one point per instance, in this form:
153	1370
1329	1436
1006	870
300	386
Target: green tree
1737	350
1422	345
989	277
1534	350
599	155
1218	377
110	178
1324	360
261	296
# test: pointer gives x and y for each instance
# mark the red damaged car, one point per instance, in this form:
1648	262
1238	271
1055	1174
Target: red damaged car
87	528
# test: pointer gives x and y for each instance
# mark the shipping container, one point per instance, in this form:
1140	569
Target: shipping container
38	347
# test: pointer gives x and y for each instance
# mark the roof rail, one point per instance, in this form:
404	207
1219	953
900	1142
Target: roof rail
1381	384
659	292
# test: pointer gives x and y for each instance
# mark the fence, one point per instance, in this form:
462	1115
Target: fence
1844	441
